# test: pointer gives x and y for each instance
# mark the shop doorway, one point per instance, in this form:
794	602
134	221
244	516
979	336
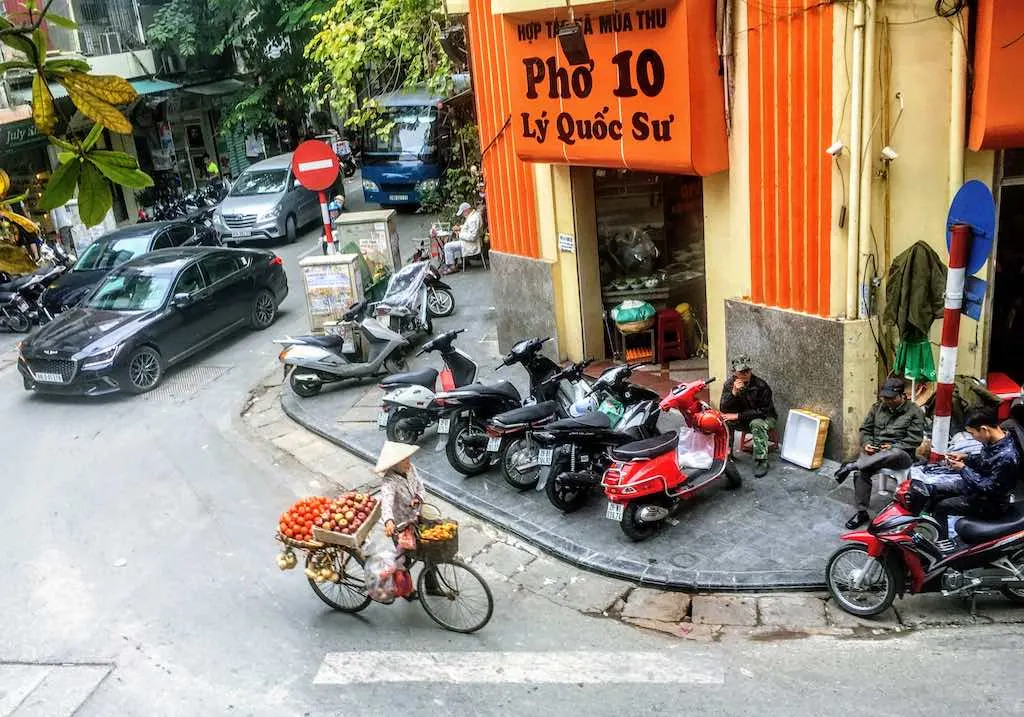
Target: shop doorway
1006	345
650	242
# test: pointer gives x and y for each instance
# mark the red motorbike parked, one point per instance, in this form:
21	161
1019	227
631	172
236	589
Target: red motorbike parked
900	552
645	483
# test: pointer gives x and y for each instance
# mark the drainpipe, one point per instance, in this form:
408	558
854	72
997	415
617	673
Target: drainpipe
867	123
958	107
856	150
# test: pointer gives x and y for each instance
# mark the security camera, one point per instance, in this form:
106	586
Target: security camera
889	154
835	149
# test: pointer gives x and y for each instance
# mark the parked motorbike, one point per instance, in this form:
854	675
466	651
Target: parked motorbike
404	307
20	298
651	478
511	433
440	298
349	166
467	409
411	405
364	348
899	552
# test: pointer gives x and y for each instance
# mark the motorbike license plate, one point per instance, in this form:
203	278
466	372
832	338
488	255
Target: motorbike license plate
241	233
398	197
382	419
614	511
493	444
545	455
44	377
444	425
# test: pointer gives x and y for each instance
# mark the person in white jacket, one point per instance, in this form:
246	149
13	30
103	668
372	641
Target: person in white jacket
468	233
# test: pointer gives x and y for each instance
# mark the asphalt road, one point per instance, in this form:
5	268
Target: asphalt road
139	579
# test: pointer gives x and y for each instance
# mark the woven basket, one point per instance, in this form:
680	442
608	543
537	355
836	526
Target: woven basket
633	327
437	550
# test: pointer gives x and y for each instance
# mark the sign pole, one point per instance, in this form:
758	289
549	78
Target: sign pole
326	214
959	248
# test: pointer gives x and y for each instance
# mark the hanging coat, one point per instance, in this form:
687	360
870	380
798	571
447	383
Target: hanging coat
914	291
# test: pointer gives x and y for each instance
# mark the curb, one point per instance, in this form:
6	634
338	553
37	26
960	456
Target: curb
564	549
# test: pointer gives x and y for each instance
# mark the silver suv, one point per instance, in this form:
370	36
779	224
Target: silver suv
266	202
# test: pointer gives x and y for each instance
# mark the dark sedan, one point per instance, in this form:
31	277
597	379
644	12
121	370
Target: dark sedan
112	250
152	313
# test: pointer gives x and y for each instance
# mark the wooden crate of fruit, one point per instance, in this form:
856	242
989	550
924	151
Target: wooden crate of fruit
350	531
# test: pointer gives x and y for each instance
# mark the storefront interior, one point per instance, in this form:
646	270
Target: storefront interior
1007	334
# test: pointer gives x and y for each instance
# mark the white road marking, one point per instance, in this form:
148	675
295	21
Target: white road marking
344	668
311	250
318	164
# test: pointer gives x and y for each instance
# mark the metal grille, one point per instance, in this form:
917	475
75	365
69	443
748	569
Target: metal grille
107	27
239	221
65	368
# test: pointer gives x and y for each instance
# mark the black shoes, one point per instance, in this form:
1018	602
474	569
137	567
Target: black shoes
844	472
761	469
859	519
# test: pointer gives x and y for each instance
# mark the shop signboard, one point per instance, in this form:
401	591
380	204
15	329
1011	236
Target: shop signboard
649	98
17	135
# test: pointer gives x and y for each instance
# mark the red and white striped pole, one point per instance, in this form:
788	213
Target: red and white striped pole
326	214
959	248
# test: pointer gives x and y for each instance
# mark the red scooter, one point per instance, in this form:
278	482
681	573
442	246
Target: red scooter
645	483
900	552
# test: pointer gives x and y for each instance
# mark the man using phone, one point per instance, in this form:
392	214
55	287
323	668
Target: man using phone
889	438
747	405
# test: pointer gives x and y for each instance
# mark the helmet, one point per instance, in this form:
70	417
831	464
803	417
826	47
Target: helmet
583	407
709	422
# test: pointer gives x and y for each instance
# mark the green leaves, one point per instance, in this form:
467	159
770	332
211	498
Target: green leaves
61	21
96	95
61	186
120	168
94	196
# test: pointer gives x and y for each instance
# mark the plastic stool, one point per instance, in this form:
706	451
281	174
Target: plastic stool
670	336
747	441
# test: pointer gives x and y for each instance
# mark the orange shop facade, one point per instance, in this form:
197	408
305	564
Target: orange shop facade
699	153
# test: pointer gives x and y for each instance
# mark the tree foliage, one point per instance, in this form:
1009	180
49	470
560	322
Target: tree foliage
192	27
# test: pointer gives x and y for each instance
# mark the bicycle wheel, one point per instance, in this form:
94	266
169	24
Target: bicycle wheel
349	593
458	598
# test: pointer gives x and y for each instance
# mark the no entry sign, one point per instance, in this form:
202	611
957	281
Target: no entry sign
315	165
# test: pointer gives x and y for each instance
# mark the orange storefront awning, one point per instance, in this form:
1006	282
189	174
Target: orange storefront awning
651	97
997	105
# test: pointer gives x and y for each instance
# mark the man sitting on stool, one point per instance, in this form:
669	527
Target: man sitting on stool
747	405
889	438
468	243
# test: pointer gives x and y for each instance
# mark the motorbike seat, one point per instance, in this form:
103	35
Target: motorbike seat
426	378
587	420
502	388
527	414
646	448
973	530
328	341
15	284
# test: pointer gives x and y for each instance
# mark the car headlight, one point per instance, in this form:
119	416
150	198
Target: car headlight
427	185
370	186
101	359
269	214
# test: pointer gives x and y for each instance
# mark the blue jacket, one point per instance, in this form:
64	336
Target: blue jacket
991	475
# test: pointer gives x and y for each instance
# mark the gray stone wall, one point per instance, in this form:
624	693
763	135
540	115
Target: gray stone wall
800	356
524	300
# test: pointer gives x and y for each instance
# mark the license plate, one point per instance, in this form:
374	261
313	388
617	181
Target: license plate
49	377
493	443
545	455
614	511
382	419
399	197
444	425
22	304
241	233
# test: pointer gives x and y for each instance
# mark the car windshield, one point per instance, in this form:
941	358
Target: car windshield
112	253
260	181
132	289
410	135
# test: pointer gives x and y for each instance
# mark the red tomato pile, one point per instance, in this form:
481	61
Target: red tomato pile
347	513
297	522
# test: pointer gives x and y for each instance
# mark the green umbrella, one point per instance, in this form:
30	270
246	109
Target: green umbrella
914	360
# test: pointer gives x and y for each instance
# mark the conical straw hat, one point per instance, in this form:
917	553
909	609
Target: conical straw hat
393	453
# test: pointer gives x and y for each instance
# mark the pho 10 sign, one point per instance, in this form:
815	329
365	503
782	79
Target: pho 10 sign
315	166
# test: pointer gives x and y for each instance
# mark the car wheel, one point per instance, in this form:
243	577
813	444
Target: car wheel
264	310
291	231
145	370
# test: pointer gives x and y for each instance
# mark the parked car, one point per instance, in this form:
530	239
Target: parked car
150	314
266	202
114	249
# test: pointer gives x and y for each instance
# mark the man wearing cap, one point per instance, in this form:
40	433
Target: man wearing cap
889	438
468	242
747	406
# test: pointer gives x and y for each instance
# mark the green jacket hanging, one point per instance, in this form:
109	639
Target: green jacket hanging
914	291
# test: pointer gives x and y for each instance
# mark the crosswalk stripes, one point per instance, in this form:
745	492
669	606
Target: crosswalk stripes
361	667
47	690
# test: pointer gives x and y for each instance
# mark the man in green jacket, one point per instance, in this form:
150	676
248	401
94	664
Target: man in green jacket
889	436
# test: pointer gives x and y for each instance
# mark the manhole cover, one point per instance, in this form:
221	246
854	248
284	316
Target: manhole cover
184	384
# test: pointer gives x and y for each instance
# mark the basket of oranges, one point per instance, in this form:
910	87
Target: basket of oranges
437	540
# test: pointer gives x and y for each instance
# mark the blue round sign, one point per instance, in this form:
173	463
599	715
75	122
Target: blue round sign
973	205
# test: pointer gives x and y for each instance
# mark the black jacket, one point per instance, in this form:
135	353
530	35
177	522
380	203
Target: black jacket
755	401
991	475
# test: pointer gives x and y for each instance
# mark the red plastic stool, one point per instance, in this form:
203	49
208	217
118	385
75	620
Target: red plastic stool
1006	388
670	336
747	441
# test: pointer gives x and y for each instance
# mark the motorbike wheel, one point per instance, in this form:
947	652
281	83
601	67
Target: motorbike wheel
877	591
566	498
399	430
395	363
633	527
467	460
512	456
17	322
303	389
440	302
1015	594
733	479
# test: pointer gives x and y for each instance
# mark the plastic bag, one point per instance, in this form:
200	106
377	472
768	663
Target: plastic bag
407	539
632	311
386	577
695	449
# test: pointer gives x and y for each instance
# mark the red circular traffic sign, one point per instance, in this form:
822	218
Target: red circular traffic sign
315	165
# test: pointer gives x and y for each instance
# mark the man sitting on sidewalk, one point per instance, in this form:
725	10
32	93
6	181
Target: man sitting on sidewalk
747	405
889	437
468	241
